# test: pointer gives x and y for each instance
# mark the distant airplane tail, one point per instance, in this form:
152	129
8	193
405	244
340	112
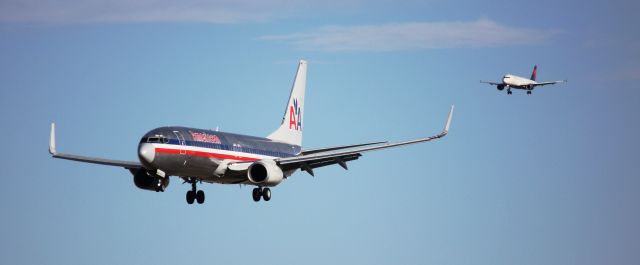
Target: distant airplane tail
290	130
534	73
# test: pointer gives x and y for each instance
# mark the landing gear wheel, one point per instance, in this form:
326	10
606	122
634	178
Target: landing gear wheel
266	194
191	196
509	92
257	193
200	197
528	92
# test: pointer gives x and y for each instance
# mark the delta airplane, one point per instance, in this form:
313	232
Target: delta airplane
197	155
512	81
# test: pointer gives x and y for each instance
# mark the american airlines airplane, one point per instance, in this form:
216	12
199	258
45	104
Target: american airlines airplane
197	155
512	81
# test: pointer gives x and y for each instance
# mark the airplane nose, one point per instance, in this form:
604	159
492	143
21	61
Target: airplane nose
146	153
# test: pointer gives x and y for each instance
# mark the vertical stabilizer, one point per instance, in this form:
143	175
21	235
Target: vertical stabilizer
290	130
534	73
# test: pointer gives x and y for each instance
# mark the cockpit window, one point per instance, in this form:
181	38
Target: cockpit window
156	139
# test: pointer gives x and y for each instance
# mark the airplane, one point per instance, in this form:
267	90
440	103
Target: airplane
197	155
512	81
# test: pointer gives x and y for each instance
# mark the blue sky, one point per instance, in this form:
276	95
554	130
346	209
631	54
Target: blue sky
549	178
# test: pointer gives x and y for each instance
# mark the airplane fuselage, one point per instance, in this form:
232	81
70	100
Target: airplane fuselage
518	82
190	152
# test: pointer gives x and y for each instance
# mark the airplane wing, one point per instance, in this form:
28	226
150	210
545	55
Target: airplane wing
109	162
549	83
491	83
340	156
320	150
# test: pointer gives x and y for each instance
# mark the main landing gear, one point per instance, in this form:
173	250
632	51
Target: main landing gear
260	192
529	92
194	194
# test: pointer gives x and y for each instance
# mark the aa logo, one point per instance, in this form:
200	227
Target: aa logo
295	116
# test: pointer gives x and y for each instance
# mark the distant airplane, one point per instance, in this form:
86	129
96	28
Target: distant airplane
512	81
197	155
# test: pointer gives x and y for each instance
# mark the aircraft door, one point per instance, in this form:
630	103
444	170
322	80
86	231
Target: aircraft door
183	143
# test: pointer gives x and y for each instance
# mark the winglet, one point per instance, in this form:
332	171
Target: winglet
446	127
52	139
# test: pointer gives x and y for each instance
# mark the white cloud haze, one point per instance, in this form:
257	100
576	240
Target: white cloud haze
92	11
416	35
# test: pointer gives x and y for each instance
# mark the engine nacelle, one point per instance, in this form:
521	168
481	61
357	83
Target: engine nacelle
149	180
265	173
500	87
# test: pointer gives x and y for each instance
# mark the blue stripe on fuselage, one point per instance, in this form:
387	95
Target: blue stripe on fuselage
231	148
228	141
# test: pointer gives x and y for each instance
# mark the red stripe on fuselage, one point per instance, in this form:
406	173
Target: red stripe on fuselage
203	154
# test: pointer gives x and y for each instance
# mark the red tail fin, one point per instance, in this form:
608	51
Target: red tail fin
533	74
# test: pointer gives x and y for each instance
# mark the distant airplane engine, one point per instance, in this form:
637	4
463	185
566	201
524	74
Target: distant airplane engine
500	87
149	181
265	172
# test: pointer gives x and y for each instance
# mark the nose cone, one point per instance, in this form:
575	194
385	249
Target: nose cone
146	153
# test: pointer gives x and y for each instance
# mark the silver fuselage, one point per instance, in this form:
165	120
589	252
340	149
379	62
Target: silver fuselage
190	152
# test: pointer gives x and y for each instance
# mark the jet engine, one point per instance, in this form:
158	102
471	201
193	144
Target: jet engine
500	87
147	180
265	173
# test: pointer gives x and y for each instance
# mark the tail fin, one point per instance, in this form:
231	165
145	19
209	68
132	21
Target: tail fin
534	73
290	130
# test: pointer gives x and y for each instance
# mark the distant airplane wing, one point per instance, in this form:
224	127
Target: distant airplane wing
491	83
549	83
308	162
109	162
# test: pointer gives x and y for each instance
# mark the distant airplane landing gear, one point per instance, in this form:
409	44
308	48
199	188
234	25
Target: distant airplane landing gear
194	194
264	193
509	92
528	92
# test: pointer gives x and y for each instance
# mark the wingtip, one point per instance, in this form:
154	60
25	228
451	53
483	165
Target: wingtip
446	127
52	139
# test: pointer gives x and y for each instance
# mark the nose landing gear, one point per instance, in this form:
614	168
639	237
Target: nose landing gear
194	194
